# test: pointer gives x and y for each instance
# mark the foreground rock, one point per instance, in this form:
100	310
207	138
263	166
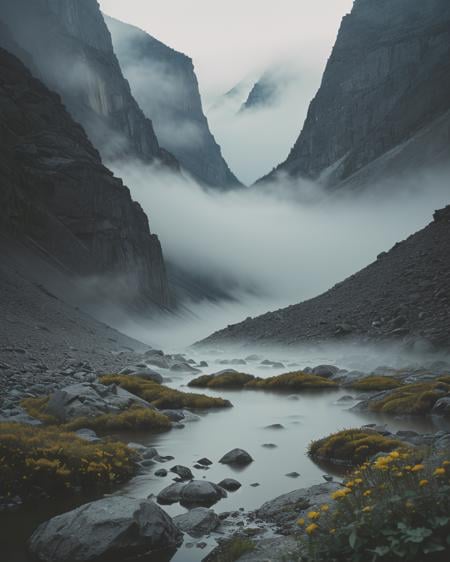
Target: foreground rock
196	492
105	528
229	484
198	521
236	457
90	399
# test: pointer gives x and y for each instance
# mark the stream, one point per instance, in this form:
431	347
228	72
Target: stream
304	417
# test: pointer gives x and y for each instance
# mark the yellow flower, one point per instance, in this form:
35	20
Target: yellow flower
358	481
394	455
301	522
311	528
417	468
367	493
350	484
366	509
313	515
399	474
332	531
325	507
439	472
446	463
338	494
423	483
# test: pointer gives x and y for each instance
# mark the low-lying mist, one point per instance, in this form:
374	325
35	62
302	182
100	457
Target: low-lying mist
267	247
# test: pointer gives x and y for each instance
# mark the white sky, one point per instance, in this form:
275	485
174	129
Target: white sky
229	39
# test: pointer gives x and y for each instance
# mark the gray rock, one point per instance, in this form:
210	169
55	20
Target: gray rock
110	527
90	399
201	492
236	456
87	435
143	373
161	472
204	461
275	426
442	407
285	510
229	484
183	472
171	494
197	522
292	474
326	371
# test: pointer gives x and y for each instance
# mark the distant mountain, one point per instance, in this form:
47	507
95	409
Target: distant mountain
270	87
62	206
384	103
164	83
403	297
73	55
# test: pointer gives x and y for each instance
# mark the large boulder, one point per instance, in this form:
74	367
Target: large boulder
90	399
201	492
285	510
143	373
326	371
229	484
103	529
197	522
171	494
237	457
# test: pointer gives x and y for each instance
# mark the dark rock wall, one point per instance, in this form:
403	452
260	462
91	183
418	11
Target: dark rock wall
387	77
59	199
73	55
164	83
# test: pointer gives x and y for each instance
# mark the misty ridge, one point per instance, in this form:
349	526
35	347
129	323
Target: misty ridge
268	247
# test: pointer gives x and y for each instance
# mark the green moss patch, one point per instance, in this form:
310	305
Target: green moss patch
224	380
134	419
35	460
295	381
374	382
162	397
412	399
232	550
351	446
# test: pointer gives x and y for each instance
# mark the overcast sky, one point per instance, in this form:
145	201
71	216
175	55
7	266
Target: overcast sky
230	39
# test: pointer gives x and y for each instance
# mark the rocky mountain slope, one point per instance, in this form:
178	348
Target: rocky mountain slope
164	83
58	200
384	102
73	55
403	296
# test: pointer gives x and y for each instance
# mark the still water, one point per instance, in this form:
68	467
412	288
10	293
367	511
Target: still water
304	417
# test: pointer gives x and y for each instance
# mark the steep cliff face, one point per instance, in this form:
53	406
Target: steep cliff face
403	297
164	83
386	82
59	200
73	55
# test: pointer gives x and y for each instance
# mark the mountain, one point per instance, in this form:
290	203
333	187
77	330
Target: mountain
384	102
72	54
270	87
164	83
62	205
402	296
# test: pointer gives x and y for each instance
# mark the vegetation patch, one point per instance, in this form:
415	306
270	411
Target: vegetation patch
224	380
351	446
135	418
295	381
163	397
132	419
36	460
412	399
392	509
374	382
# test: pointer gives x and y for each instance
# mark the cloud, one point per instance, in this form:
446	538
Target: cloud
275	246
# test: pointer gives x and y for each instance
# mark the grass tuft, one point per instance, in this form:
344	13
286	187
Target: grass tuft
351	446
224	380
295	381
36	460
161	396
374	382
